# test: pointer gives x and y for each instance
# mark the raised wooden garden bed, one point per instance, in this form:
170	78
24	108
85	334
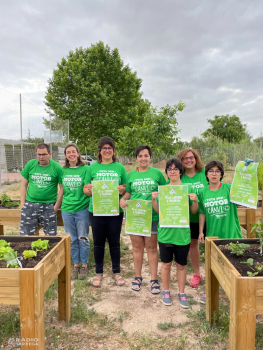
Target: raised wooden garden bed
245	294
26	287
12	217
248	217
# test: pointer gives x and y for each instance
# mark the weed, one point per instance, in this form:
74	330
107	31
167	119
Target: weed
237	248
166	325
9	324
51	293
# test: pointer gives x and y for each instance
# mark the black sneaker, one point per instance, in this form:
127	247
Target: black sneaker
75	272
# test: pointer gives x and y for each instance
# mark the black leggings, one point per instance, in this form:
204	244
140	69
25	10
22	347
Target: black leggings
106	227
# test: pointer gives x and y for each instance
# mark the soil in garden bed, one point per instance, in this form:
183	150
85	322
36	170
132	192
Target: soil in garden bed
251	252
28	263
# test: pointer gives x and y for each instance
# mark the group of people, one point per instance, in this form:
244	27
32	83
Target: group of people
211	212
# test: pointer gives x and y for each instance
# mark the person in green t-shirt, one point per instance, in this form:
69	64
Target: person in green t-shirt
141	182
194	175
216	209
174	242
38	193
74	209
106	227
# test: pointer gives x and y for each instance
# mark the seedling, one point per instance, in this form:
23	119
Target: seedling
259	233
238	248
249	262
29	254
6	201
252	274
40	245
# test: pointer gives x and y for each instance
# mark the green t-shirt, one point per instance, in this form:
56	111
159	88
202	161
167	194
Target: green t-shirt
43	181
175	235
221	215
141	185
198	182
112	171
72	180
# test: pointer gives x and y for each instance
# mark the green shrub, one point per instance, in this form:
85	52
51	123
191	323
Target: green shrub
260	176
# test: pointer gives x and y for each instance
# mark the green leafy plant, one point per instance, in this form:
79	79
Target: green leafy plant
259	268
6	201
259	233
40	245
237	248
249	262
251	274
9	256
5	250
29	254
4	243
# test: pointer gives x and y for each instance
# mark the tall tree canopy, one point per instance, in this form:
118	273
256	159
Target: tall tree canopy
158	130
97	93
227	128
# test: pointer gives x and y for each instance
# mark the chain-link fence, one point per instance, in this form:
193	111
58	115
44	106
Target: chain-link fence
21	129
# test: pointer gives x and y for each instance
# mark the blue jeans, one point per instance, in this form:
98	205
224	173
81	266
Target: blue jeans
77	225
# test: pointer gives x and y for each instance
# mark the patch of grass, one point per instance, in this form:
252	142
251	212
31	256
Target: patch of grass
123	315
166	325
81	290
80	313
52	291
259	338
9	324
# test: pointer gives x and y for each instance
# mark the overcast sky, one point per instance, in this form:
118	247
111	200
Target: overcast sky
208	53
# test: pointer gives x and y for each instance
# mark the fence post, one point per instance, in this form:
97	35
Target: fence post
0	164
234	160
255	151
21	133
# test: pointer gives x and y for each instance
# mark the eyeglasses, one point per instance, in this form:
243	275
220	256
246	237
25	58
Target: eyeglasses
107	149
172	170
42	155
190	158
211	172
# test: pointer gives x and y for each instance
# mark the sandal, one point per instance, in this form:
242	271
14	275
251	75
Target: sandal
195	281
98	280
155	287
137	282
119	280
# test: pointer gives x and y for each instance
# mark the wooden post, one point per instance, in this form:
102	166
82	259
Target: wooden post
64	285
37	231
31	291
212	285
242	326
251	220
2	230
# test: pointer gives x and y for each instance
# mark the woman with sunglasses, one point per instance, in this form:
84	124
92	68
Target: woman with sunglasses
141	182
194	175
216	209
106	227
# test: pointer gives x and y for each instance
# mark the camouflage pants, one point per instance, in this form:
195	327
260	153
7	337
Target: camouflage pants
33	214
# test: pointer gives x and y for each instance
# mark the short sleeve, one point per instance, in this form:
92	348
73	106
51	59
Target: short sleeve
123	175
87	179
200	203
128	183
162	180
25	171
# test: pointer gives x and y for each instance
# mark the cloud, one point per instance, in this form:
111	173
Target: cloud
208	54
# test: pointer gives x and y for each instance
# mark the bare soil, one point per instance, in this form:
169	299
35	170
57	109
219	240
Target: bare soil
19	247
251	252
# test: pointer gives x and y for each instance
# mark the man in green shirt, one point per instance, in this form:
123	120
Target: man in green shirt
38	193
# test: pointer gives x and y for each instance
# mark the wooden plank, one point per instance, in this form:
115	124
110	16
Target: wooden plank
9	295
251	220
259	295
9	221
49	260
242	216
242	326
31	302
9	277
10	213
221	267
1	230
64	285
212	286
52	274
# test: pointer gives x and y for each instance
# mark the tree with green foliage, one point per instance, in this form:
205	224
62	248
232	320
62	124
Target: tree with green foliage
97	93
227	128
158	130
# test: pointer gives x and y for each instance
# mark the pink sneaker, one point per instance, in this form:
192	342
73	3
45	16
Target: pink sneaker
195	281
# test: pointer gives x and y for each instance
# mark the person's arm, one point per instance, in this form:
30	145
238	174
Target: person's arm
201	227
123	200
23	192
194	206
59	199
154	202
